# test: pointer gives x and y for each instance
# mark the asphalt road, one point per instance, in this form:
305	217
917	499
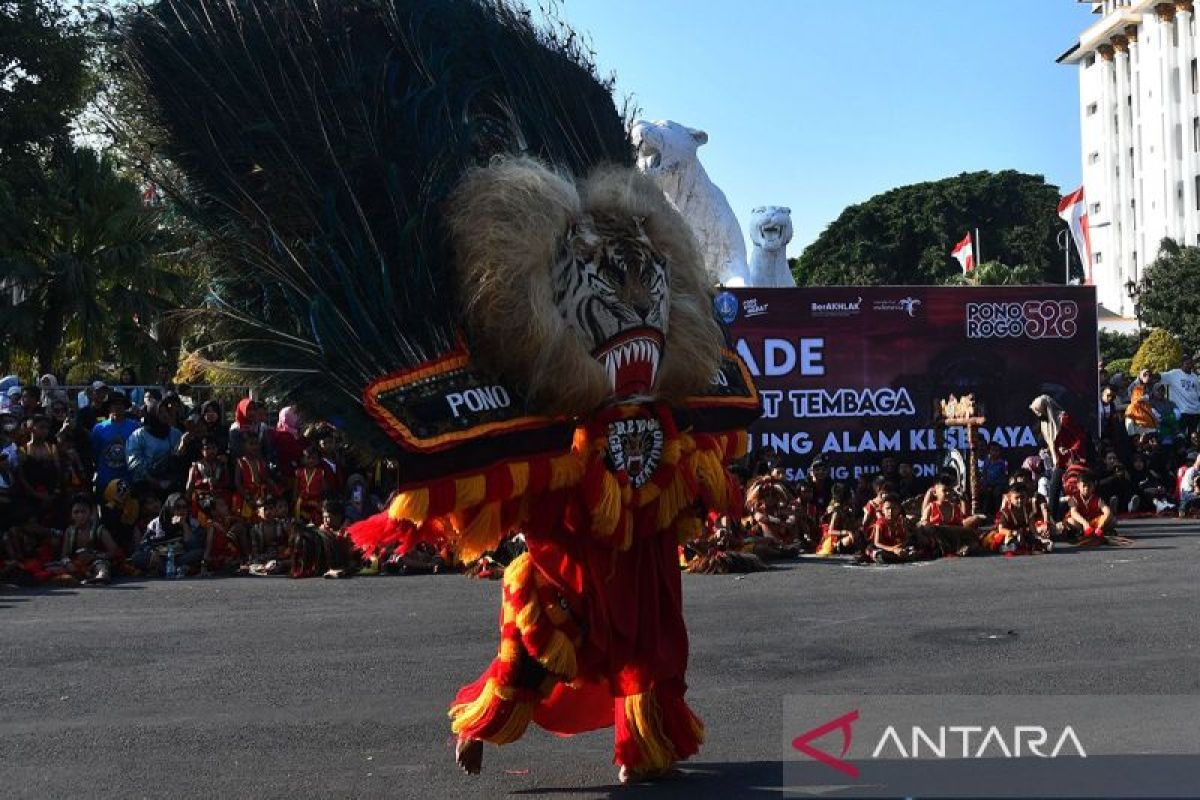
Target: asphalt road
268	687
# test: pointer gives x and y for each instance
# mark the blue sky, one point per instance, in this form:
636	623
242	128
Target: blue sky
818	104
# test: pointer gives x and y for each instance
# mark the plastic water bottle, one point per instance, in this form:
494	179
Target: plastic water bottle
171	571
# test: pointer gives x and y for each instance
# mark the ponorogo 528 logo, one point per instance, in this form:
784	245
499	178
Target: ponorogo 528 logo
1033	319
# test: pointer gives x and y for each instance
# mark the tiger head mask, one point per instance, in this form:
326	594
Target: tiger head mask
579	293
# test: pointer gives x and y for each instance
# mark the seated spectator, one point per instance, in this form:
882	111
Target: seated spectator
30	405
209	477
107	440
993	478
1115	484
839	525
247	423
130	386
119	512
944	526
874	506
1165	413
1150	487
312	484
38	479
890	537
172	532
270	538
1088	516
225	541
73	476
360	503
28	547
1189	494
150	451
326	550
207	423
7	486
252	480
88	551
286	444
61	424
1022	524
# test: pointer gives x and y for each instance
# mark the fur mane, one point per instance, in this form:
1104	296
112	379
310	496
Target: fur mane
509	225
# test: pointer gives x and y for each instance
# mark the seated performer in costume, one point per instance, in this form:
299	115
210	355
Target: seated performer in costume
312	483
871	511
1022	524
891	539
88	551
208	477
807	514
839	526
944	524
772	531
251	479
1088	516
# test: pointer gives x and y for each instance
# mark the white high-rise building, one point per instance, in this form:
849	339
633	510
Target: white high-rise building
1140	116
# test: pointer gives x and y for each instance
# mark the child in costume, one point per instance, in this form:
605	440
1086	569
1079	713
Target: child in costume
493	297
891	538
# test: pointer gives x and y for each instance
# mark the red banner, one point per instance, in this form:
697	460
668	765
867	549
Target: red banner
853	374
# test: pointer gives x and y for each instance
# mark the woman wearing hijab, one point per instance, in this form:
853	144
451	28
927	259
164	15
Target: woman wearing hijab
1067	443
150	449
208	423
175	528
246	423
286	443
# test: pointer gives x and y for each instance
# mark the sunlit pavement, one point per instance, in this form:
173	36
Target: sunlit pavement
268	687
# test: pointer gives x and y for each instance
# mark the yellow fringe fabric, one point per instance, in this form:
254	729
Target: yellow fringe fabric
559	657
644	717
470	491
412	505
607	512
566	470
519	472
480	533
469	715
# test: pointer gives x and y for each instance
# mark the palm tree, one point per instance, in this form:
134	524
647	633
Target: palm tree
87	257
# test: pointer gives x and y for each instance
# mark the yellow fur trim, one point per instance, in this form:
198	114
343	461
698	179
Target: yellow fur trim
644	717
412	506
481	533
469	492
607	512
517	572
674	499
559	657
469	715
518	471
510	650
565	470
687	529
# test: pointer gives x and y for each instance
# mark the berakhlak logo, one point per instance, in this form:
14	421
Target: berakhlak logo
910	304
803	743
726	306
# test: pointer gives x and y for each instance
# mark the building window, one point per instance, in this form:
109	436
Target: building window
1093	158
1097	257
1196	134
1198	192
1095	209
1089	61
1091	109
1193	76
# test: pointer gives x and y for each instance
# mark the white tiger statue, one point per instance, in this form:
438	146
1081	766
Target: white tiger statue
666	151
770	232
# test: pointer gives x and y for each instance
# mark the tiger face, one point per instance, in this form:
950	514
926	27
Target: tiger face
611	287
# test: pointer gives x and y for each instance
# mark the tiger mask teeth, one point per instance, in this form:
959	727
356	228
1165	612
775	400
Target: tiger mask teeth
632	361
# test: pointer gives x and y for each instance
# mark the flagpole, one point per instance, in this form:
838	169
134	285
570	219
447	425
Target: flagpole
978	255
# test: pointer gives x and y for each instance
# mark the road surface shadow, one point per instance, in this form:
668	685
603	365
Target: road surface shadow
699	781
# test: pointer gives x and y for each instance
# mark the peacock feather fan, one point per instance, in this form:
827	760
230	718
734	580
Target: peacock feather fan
318	141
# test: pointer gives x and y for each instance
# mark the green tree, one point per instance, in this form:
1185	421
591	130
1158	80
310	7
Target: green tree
1168	296
45	81
92	263
993	273
1160	352
1115	346
904	236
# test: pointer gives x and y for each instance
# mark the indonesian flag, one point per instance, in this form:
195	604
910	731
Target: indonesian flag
964	254
1073	210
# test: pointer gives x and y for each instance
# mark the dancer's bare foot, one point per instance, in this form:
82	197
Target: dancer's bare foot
468	753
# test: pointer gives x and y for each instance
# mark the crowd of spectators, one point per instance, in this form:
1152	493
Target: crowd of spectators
146	480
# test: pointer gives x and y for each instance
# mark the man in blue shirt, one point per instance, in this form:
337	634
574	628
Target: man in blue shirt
108	442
